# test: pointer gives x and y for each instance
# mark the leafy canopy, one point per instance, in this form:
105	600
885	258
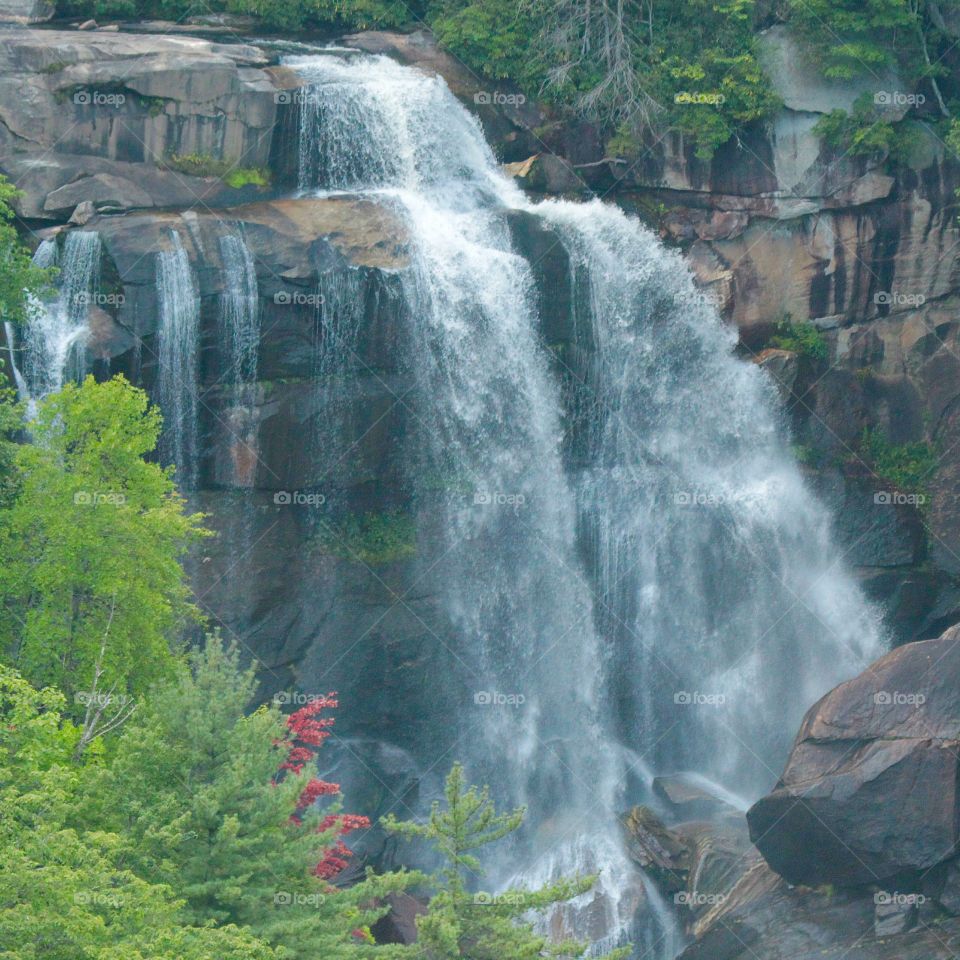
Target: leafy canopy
92	593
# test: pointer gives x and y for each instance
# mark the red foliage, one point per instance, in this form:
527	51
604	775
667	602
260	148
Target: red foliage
307	733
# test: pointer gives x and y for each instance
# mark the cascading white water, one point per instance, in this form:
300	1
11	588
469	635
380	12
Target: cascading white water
178	352
239	310
667	590
56	330
20	383
240	333
728	609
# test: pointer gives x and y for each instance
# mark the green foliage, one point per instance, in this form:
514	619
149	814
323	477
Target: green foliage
952	138
247	176
862	133
492	36
92	594
907	467
66	892
18	275
807	455
481	926
191	790
802	338
717	94
371	538
292	15
852	37
204	165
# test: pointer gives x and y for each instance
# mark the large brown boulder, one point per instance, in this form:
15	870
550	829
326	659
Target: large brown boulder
869	792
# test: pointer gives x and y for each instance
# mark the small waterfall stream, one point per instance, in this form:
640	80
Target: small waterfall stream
54	337
178	379
239	311
659	583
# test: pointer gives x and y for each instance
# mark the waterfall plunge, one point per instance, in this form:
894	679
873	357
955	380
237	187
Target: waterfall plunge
666	588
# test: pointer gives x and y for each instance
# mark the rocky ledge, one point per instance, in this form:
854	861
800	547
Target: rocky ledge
854	854
100	116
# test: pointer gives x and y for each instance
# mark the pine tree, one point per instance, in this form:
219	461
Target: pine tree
480	925
194	792
65	892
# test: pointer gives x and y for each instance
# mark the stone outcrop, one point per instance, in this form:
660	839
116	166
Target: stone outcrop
26	11
870	791
96	115
732	906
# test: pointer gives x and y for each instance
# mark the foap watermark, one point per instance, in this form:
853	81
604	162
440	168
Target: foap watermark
99	98
491	698
88	299
295	698
513	898
887	298
298	96
95	898
284	898
298	498
698	298
694	899
707	498
897	98
894	498
885	899
885	698
700	99
497	98
297	298
99	498
485	498
694	698
85	698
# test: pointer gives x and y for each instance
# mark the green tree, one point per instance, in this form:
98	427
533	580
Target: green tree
480	925
19	277
851	37
93	597
193	790
64	892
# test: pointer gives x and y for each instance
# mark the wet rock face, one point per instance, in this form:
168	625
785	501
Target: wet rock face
869	793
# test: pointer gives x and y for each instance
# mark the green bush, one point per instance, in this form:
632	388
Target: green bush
908	467
862	133
203	165
802	338
247	176
852	37
370	538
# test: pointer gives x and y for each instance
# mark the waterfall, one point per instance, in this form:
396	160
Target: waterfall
239	310
55	333
727	609
240	335
636	578
10	336
178	351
